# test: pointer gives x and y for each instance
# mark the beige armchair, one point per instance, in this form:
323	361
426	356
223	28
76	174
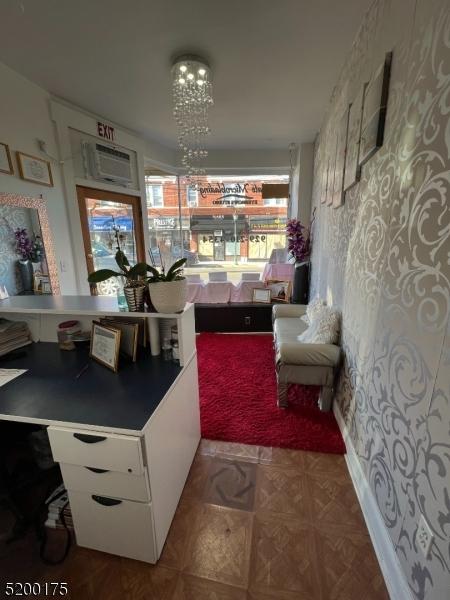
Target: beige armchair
297	362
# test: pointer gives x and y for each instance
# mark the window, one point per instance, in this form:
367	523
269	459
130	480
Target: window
155	196
192	197
275	202
223	224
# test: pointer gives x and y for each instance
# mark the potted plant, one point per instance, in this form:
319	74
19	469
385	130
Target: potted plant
168	291
134	288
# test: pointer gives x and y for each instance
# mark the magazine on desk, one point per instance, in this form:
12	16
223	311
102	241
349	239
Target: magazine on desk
7	375
13	335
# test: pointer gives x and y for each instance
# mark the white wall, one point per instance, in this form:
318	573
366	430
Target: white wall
30	113
66	119
253	161
25	117
302	182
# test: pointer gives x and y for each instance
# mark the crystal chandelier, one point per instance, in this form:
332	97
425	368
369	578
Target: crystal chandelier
192	97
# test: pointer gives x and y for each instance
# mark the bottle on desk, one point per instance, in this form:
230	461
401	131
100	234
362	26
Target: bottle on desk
166	349
175	352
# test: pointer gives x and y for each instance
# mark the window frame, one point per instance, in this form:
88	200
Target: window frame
150	194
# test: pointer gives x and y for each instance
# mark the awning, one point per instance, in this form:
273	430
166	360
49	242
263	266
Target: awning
225	223
107	223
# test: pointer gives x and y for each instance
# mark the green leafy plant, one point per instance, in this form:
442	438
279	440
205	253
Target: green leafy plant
132	274
175	272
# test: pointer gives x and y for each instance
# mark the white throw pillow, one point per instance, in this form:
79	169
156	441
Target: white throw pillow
314	308
324	329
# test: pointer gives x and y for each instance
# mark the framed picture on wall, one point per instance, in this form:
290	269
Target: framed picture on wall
341	146
352	171
331	169
326	166
374	111
6	165
34	169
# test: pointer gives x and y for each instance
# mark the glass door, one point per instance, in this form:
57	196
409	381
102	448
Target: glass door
108	221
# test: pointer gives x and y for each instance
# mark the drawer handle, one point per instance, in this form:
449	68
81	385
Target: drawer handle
94	470
89	439
106	501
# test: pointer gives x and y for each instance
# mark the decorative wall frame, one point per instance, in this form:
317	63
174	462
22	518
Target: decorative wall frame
6	165
40	205
341	148
374	111
352	171
331	169
34	169
325	175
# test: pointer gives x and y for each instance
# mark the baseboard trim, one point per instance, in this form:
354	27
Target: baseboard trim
390	566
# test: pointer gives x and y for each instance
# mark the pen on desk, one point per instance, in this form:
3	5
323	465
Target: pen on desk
83	370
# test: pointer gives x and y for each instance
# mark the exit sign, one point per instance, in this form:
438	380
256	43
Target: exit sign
105	131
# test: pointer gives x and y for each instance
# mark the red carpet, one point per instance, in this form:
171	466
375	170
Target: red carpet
238	398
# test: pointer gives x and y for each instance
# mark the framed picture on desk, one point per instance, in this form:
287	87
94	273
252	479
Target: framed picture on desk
280	291
261	296
105	345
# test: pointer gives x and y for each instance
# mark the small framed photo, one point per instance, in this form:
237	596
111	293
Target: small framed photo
42	284
261	296
280	291
6	165
46	286
34	169
129	336
105	345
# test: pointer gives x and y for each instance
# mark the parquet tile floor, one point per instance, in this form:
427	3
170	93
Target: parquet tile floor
253	523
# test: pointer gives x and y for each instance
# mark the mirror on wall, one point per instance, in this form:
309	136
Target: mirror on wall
27	264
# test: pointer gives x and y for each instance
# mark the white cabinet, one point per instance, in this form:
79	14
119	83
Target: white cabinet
124	479
109	491
112	525
109	451
106	483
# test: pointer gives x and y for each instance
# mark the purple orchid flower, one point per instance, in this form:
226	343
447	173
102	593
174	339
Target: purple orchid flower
24	246
299	245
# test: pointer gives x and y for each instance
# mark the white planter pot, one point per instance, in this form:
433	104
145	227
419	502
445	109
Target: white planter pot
168	296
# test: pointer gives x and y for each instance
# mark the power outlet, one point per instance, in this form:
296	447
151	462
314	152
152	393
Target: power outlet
424	536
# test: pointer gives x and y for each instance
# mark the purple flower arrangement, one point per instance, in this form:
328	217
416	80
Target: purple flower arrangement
299	240
24	246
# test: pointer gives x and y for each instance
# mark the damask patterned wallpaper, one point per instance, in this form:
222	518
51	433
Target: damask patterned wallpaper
384	259
11	217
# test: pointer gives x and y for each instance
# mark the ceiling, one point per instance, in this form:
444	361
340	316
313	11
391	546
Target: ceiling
274	62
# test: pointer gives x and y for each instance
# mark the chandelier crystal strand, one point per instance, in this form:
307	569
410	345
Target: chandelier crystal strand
192	98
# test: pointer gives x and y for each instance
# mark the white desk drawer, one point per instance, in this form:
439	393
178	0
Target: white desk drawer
124	528
97	449
105	483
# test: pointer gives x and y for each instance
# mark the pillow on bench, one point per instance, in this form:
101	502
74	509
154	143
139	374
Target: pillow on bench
324	326
312	310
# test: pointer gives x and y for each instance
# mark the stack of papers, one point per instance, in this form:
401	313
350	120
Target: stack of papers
9	374
13	335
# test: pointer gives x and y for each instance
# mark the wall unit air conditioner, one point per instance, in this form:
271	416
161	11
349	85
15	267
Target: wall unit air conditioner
106	163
